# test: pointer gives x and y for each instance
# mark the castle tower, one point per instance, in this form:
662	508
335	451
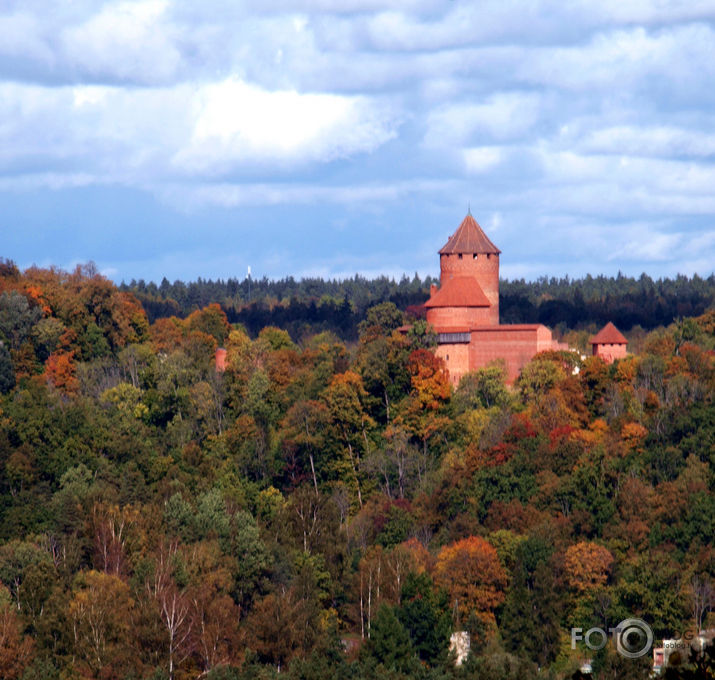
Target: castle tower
469	279
464	311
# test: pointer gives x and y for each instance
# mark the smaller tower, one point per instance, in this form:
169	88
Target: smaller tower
609	344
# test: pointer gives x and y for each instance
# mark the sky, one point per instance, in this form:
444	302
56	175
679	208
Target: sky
186	139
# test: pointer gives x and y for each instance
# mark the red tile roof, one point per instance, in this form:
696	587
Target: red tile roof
608	335
452	329
469	238
461	291
507	327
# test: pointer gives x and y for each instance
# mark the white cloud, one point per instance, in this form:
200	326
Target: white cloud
657	178
230	195
125	41
649	141
145	136
647	246
481	159
21	37
236	122
502	116
622	60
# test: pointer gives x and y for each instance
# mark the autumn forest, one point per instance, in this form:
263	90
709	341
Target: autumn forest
329	506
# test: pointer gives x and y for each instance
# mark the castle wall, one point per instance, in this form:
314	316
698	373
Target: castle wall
609	352
456	357
460	316
483	266
516	345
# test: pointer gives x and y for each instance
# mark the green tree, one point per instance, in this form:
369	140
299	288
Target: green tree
482	388
530	621
17	317
385	317
390	643
425	615
422	335
7	370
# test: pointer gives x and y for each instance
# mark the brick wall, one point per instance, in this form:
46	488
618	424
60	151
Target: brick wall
467	317
609	352
485	268
516	345
456	356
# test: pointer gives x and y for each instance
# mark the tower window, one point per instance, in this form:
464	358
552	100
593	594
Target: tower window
460	256
475	256
489	255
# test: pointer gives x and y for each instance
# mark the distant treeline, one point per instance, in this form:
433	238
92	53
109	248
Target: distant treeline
312	305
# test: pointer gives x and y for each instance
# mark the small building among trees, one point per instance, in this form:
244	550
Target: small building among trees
609	344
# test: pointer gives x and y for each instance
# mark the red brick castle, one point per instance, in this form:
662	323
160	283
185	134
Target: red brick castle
464	309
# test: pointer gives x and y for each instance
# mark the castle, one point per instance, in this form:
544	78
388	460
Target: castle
464	312
464	309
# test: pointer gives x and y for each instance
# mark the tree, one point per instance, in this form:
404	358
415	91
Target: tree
371	573
482	388
173	605
382	363
471	573
7	370
252	560
17	558
420	413
587	566
344	398
395	460
210	320
17	318
100	612
530	622
60	371
304	426
390	642
114	530
703	598
16	649
422	335
215	628
538	377
282	626
384	318
425	615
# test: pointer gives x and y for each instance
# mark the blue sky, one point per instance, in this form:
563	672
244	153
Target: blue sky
184	139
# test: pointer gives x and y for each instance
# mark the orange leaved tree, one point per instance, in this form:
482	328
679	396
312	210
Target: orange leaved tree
587	565
473	576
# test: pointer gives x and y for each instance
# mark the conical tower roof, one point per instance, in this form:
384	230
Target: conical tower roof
608	335
469	238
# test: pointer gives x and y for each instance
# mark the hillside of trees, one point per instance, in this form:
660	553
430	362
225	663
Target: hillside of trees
329	506
310	306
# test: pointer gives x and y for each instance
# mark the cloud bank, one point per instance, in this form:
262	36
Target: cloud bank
593	121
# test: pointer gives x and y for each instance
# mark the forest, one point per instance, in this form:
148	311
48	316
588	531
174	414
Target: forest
309	306
329	506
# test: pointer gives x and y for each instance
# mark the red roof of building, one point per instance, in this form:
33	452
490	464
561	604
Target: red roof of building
469	238
461	291
608	335
452	329
507	327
